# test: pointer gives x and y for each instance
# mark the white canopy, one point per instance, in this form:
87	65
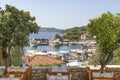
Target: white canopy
40	53
64	52
75	63
31	51
54	53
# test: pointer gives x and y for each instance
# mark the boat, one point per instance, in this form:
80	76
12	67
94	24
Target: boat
40	53
31	51
64	52
78	51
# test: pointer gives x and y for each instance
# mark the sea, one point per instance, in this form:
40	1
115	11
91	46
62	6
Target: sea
46	35
57	48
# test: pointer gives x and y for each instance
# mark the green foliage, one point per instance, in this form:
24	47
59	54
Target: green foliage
4	54
81	29
94	60
71	36
15	26
54	64
107	31
59	58
57	36
74	33
16	56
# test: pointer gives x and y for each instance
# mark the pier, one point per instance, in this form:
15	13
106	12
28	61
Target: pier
35	42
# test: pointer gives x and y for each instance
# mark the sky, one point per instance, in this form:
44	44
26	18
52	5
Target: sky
64	14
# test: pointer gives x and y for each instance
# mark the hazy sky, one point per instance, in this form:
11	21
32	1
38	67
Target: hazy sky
64	13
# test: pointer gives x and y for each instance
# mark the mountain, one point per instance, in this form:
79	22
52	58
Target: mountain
82	28
45	29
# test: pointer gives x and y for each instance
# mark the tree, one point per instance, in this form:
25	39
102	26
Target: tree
107	31
74	33
57	36
15	27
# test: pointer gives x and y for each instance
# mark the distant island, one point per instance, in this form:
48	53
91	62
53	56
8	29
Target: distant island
45	29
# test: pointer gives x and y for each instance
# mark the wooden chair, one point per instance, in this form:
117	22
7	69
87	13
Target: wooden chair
47	76
29	73
116	73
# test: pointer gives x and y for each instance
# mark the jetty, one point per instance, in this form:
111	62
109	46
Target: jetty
40	41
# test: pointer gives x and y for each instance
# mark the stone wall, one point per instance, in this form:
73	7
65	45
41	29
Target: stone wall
78	73
39	73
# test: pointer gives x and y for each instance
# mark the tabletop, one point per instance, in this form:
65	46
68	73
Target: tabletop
18	69
10	78
105	74
58	77
59	70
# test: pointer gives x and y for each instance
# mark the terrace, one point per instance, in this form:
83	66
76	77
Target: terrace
89	72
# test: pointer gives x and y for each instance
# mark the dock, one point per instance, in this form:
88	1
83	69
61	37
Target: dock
40	41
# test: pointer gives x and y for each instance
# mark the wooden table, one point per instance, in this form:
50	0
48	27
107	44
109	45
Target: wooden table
18	70
2	70
94	73
62	71
104	76
10	78
55	77
58	72
94	68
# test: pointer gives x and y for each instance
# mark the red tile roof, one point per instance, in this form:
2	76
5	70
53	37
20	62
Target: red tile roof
43	60
85	34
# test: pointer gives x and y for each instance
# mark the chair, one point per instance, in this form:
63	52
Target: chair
29	73
117	74
47	76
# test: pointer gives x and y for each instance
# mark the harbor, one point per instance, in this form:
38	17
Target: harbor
69	53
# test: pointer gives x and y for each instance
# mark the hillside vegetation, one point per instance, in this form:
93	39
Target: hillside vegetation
74	33
45	29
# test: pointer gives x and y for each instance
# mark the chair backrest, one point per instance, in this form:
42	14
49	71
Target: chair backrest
116	73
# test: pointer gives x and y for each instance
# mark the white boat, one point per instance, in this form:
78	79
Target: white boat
78	51
40	53
52	52
76	63
31	51
33	44
73	50
64	52
91	49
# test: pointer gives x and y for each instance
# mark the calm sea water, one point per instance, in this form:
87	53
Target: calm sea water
46	35
57	48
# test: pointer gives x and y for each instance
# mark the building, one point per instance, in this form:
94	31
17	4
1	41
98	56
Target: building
85	36
42	60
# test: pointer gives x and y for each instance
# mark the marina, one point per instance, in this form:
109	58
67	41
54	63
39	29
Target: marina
72	52
68	53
